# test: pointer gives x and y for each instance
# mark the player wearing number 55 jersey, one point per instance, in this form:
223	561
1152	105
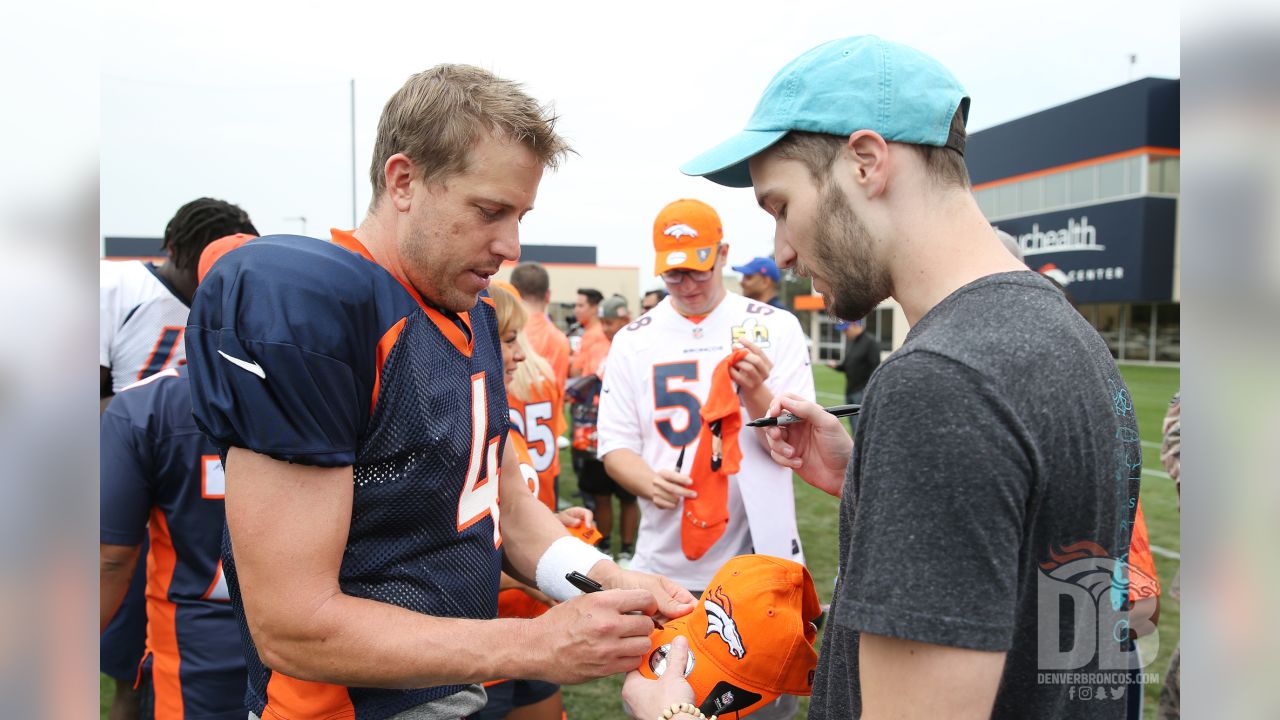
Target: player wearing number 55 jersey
356	389
660	375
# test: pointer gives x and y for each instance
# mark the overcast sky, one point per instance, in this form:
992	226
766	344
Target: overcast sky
249	102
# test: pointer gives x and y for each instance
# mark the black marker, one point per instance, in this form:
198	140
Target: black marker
587	585
787	418
680	460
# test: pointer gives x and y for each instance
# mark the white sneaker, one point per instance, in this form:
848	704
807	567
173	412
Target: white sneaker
623	560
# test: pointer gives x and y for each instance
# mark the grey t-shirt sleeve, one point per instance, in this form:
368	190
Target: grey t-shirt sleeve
945	474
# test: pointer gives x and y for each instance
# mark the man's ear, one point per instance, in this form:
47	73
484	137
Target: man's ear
867	159
398	173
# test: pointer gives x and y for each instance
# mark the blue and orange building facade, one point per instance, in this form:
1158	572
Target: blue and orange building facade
1090	191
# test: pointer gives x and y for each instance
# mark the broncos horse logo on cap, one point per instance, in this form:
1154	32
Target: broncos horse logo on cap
720	621
679	231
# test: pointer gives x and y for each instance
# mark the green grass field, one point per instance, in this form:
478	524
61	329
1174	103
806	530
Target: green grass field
817	514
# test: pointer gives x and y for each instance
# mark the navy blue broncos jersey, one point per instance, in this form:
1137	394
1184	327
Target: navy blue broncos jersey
161	477
311	353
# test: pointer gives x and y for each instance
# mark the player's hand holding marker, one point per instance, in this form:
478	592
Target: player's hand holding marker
591	636
603	633
817	448
672	600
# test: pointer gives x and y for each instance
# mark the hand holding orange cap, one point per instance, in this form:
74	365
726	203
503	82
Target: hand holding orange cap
750	637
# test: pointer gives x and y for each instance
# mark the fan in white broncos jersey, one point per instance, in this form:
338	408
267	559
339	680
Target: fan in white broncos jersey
659	375
143	307
142	314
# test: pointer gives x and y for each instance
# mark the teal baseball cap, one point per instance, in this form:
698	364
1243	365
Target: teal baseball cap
839	88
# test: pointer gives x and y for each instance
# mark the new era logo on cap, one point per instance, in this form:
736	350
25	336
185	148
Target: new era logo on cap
750	637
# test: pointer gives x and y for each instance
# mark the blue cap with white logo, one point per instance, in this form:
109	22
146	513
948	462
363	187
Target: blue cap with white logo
839	88
760	266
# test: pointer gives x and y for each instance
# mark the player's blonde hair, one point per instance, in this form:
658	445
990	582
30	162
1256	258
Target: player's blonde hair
535	369
438	115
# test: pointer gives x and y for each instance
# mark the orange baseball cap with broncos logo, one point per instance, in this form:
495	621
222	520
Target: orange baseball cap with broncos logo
750	637
685	235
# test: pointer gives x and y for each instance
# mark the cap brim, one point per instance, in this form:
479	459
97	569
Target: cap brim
691	262
726	163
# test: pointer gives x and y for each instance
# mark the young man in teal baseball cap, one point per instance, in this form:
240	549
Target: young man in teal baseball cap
996	436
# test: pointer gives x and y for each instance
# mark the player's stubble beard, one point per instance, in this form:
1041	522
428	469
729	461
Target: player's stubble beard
430	278
842	247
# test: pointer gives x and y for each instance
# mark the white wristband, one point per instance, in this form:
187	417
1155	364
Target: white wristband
561	558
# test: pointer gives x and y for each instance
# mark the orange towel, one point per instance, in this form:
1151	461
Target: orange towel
704	518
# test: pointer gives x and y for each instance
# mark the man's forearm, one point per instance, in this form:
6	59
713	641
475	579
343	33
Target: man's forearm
364	643
116	564
629	470
757	401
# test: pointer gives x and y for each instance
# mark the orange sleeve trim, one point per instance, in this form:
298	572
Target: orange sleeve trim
162	621
289	698
1145	150
385	344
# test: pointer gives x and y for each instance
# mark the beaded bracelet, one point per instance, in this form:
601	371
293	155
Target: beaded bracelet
685	708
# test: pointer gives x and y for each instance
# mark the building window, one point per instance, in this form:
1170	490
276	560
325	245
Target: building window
1108	320
1055	190
1030	195
1139	333
1081	185
830	341
1168	334
1007	199
986	201
1111	181
880	325
1163	174
1133	174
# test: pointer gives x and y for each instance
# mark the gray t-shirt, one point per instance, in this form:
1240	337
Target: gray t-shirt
995	474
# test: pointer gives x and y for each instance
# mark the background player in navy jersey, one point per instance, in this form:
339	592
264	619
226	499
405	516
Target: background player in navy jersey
161	474
142	312
356	389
